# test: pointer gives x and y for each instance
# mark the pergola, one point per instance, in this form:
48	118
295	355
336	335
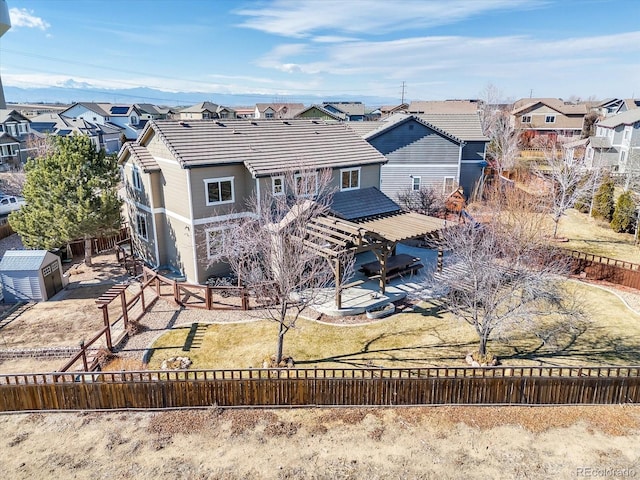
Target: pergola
334	238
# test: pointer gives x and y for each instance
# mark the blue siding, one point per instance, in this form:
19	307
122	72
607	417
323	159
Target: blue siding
470	173
473	151
414	143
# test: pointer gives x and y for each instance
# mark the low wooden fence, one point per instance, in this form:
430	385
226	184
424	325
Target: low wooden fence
595	267
99	244
6	231
320	387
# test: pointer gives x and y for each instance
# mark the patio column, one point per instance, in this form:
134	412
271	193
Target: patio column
338	272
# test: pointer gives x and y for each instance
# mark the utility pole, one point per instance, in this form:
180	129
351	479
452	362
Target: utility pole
403	87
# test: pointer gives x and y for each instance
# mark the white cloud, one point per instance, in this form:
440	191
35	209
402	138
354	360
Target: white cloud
21	17
302	18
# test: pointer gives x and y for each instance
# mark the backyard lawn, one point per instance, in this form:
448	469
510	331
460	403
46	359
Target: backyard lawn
425	337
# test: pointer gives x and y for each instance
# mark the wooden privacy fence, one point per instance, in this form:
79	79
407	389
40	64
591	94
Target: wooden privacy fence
320	387
595	267
99	244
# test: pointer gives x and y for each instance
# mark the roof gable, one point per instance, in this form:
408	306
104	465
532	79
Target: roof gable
399	119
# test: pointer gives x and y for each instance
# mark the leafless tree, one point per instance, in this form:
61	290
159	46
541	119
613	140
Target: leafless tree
499	127
500	276
426	201
567	179
272	255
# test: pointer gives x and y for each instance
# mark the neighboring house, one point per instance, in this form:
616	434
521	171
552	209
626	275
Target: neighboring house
127	118
613	106
148	111
102	136
439	151
352	111
388	110
280	111
616	143
244	112
15	135
320	113
184	179
206	111
420	107
550	118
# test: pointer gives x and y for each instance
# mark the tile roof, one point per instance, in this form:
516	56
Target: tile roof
557	104
323	111
363	128
350	108
362	203
141	156
625	118
266	147
444	106
7	113
399	118
467	127
22	260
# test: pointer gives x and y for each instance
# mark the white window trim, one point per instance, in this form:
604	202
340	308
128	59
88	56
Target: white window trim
207	181
553	117
273	185
208	233
136	178
344	170
299	175
146	226
444	185
413	183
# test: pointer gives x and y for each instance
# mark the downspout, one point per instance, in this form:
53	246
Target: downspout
259	200
462	144
192	226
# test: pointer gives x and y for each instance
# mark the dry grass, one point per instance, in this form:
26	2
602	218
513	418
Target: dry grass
427	337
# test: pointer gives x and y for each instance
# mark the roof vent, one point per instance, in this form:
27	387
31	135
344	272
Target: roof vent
254	123
183	124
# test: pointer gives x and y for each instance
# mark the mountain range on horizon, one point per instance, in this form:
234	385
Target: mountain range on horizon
65	95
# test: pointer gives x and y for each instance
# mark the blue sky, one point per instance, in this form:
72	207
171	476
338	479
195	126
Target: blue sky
333	49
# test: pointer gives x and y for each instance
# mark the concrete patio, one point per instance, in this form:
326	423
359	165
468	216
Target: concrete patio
358	299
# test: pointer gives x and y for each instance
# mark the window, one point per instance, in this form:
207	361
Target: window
268	115
219	190
137	180
627	134
415	185
449	184
623	158
277	185
141	226
215	238
526	119
46	271
350	179
134	120
550	119
306	184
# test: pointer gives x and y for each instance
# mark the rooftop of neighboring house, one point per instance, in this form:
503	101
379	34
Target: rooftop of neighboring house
54	122
461	127
266	147
387	109
106	109
11	114
444	106
323	111
349	108
557	104
625	118
600	142
151	109
283	110
205	107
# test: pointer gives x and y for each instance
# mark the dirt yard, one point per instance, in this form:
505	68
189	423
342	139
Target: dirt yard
392	444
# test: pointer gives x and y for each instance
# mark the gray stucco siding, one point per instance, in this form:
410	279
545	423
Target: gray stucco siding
176	245
145	248
175	190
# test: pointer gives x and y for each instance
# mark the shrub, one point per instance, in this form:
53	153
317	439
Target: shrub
603	203
624	216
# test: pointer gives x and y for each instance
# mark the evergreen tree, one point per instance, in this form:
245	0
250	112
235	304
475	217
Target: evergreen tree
624	216
603	203
71	193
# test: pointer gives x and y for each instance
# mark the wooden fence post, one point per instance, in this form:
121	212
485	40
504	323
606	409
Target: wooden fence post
144	307
207	297
125	313
84	356
105	316
176	292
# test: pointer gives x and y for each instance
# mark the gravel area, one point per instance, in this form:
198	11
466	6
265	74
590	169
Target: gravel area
12	242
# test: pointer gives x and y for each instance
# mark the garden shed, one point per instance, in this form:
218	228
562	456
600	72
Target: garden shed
30	275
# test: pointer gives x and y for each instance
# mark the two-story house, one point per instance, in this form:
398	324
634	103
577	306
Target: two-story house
278	111
616	144
102	136
438	151
613	106
550	118
350	111
184	179
124	117
149	111
15	133
206	111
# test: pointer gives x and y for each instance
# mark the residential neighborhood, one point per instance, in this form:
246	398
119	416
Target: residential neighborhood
316	240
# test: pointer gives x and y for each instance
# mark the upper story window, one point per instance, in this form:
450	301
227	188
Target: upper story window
415	184
550	119
1	128
137	179
23	128
141	226
134	120
12	129
307	184
224	114
268	115
219	190
277	185
350	179
526	119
